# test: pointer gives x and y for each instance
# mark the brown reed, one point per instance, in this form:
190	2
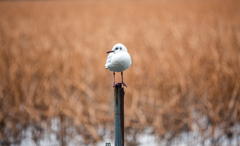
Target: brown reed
186	66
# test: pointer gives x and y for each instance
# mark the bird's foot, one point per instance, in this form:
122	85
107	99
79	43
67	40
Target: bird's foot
115	84
124	84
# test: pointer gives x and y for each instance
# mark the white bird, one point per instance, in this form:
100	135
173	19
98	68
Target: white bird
118	60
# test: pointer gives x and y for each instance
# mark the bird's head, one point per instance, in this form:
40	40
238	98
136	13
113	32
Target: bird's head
118	48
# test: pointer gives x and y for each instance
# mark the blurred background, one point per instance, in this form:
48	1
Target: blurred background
183	85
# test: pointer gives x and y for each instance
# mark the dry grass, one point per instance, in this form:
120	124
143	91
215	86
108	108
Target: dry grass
186	66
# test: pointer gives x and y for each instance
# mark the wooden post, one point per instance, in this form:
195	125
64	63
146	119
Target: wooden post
119	115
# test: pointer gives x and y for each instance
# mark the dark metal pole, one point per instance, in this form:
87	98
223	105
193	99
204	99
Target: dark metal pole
119	114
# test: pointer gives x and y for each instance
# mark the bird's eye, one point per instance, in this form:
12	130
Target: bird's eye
117	48
120	48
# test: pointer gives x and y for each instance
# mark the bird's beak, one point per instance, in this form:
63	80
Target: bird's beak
109	51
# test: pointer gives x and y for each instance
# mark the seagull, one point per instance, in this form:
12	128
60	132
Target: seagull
118	60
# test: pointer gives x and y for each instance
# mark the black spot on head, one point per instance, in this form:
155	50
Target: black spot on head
117	48
120	48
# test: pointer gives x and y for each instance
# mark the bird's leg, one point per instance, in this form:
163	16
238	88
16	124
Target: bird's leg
114	83
122	80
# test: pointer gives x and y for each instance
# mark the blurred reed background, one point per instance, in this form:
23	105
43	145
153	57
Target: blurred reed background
185	75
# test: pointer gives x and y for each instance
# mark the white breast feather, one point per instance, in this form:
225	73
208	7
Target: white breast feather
109	60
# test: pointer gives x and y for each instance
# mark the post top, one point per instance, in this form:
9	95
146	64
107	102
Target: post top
119	85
